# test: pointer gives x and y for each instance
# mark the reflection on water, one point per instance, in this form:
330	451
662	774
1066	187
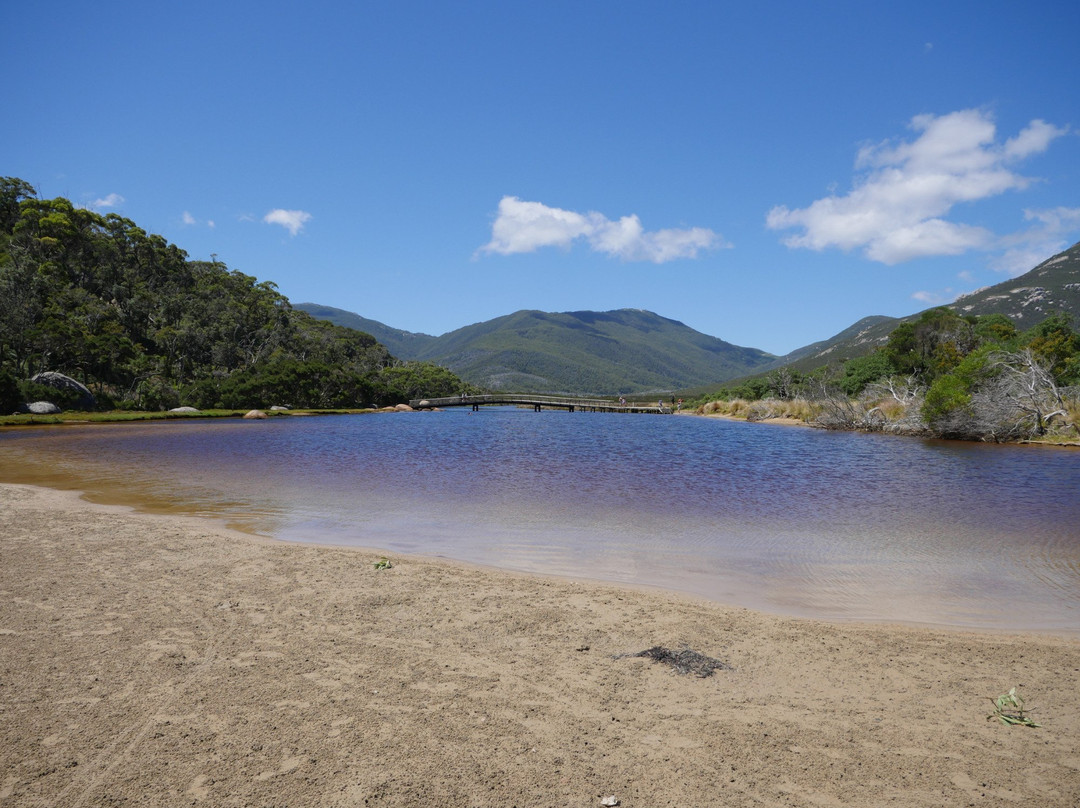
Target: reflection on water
834	525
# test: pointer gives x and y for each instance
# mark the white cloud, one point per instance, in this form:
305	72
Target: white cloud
110	201
931	298
522	227
189	221
1046	237
291	220
1036	138
897	209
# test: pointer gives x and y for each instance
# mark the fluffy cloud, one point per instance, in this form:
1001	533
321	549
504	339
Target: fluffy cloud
190	221
523	227
898	206
291	220
110	201
934	298
1042	239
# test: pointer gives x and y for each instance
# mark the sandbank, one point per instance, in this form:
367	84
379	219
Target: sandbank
151	660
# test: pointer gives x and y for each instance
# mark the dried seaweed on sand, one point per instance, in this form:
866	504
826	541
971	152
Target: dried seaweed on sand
684	661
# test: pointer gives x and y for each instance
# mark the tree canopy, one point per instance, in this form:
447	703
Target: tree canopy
130	316
946	374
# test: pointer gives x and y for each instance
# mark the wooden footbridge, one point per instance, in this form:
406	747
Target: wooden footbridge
539	403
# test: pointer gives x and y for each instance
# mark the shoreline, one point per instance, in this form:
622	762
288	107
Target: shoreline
165	660
788	421
726	587
855	602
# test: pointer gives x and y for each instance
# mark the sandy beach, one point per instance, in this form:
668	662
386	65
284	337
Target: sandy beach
160	661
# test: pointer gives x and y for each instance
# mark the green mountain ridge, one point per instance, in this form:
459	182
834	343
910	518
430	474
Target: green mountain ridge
636	351
402	344
1027	300
581	353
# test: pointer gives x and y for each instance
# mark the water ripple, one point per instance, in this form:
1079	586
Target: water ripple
801	521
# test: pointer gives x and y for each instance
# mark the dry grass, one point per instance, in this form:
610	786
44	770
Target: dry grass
1072	407
892	409
763	410
735	408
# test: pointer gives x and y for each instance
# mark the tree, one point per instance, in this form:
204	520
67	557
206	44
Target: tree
128	314
1054	342
1019	397
862	370
783	383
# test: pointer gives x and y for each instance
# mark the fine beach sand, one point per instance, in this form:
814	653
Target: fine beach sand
159	661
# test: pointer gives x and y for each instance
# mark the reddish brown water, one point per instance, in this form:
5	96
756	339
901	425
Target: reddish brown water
798	521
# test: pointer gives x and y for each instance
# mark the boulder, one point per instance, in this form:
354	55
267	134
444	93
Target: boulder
279	408
403	408
183	409
41	408
255	414
58	381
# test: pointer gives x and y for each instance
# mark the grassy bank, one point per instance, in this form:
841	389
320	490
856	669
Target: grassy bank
120	416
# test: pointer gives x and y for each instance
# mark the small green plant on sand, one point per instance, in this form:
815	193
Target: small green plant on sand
383	564
1009	709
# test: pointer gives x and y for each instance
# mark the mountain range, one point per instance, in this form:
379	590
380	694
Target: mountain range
577	353
1027	300
637	351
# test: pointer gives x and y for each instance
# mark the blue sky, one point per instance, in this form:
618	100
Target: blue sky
765	172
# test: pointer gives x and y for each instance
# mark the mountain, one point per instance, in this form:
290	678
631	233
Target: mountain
582	352
855	340
402	344
634	351
1054	285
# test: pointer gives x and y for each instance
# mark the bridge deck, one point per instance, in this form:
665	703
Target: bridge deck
538	403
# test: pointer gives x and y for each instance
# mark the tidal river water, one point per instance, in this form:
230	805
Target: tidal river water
794	521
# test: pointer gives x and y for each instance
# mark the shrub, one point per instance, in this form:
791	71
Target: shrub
65	399
10	397
862	370
947	397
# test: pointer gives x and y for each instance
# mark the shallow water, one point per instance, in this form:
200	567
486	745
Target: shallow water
797	521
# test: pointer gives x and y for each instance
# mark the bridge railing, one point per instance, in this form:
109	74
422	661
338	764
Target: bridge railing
533	400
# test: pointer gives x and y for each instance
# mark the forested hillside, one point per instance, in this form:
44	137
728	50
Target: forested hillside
402	344
942	373
577	352
1052	287
127	314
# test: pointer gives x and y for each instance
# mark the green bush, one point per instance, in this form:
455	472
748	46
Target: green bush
948	396
32	391
10	397
287	382
862	370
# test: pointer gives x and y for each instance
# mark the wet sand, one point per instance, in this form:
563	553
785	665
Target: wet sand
150	660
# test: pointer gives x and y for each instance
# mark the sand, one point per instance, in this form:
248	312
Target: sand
158	661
